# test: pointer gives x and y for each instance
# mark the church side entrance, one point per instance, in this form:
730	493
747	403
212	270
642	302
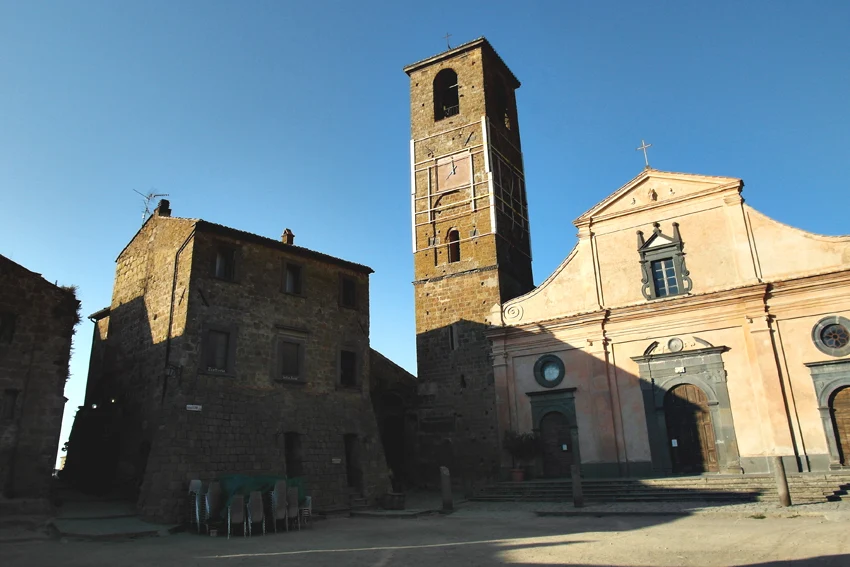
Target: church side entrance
690	430
557	445
840	410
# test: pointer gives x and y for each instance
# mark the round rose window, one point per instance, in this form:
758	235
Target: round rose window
832	335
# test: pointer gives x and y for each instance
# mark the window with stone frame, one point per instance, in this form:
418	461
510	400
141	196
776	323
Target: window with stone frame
348	292
219	350
348	368
292	278
7	327
290	360
662	262
224	265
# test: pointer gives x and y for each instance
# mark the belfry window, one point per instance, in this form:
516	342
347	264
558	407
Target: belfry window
446	100
453	239
662	263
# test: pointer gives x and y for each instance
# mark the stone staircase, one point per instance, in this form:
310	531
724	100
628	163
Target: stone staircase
804	488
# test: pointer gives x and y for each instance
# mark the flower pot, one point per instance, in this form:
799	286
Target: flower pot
517	475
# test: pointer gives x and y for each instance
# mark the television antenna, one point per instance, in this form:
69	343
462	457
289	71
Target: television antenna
147	199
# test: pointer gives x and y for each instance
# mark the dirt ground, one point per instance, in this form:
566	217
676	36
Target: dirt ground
470	538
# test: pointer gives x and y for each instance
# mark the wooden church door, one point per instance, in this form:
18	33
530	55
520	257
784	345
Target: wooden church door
840	407
557	445
690	431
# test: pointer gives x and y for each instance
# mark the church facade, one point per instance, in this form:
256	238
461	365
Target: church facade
685	333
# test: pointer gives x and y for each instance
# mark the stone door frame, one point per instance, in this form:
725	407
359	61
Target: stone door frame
703	368
828	377
561	400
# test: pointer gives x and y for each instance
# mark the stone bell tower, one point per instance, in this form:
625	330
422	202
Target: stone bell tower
471	247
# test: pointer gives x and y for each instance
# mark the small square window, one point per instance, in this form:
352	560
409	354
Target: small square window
292	282
7	327
218	351
225	264
290	361
348	292
348	368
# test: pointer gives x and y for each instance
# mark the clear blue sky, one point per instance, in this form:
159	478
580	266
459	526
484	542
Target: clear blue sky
266	115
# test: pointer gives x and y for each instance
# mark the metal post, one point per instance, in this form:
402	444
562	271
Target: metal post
578	496
446	486
781	482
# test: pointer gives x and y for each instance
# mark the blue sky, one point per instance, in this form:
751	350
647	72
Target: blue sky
266	115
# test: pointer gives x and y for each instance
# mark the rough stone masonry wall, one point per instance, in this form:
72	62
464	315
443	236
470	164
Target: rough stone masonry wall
33	371
108	443
457	423
457	419
245	413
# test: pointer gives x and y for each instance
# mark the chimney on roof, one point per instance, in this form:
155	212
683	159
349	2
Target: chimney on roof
163	209
287	237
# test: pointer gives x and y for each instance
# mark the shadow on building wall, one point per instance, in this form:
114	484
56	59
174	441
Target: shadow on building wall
585	412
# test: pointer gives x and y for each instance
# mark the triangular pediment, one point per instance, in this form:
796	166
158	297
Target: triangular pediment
652	188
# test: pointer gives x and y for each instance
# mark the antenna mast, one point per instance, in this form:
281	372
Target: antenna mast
147	200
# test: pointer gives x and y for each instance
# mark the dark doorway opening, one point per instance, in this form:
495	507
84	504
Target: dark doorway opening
557	445
292	449
353	472
839	407
690	430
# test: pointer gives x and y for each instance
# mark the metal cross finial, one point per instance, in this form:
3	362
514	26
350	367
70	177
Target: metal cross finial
644	146
446	37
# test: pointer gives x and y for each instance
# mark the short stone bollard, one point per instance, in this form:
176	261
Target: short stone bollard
578	495
446	488
781	482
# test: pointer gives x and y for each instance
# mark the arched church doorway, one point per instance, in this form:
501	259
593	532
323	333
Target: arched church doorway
557	445
690	430
839	407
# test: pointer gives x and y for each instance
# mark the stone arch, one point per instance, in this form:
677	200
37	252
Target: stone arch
829	377
704	369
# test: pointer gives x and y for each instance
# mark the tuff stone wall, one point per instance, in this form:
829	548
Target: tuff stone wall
140	439
245	414
33	369
457	424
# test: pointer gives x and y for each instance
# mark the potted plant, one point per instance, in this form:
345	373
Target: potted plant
523	448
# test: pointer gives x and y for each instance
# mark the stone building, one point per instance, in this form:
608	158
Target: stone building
686	332
225	352
37	320
471	247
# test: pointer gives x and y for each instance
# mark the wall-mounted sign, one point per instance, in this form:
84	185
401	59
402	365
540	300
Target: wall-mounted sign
680	370
674	442
193	407
336	460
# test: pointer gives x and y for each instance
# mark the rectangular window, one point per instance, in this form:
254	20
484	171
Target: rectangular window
664	277
292	449
292	278
225	264
290	361
348	368
454	339
348	292
10	399
7	327
218	351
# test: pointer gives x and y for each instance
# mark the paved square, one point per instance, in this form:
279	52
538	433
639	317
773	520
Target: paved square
476	537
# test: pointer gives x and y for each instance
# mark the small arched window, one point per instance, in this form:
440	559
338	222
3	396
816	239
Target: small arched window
453	239
446	101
